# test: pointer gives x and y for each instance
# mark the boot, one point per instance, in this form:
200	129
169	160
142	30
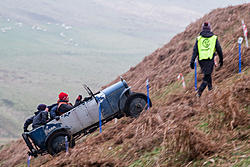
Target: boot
198	94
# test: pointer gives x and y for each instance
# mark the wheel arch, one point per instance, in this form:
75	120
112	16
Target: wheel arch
65	130
121	104
33	151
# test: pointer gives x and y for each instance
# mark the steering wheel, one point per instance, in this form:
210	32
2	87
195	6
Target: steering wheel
90	92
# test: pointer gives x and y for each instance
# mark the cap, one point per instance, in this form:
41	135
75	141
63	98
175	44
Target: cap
206	26
63	96
41	107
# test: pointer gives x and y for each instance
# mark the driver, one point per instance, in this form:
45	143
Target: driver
64	105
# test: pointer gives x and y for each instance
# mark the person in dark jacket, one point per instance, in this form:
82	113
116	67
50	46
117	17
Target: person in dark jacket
206	45
52	111
40	118
64	105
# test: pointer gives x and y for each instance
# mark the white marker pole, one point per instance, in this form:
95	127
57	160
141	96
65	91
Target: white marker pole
245	32
180	76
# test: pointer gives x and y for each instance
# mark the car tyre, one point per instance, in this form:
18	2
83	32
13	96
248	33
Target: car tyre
56	142
135	104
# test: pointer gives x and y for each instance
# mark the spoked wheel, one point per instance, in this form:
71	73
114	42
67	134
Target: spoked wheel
135	104
56	143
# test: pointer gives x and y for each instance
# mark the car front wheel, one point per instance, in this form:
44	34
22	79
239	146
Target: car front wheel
135	104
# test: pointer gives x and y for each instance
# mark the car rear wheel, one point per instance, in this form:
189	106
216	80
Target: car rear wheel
135	104
56	143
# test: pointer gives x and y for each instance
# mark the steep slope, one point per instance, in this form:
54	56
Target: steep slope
180	129
59	33
163	66
63	35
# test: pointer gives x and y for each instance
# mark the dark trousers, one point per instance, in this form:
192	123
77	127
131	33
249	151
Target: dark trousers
207	81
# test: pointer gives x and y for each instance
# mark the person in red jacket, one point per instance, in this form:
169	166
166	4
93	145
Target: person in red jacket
64	105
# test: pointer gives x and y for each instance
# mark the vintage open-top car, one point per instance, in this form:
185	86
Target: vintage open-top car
115	101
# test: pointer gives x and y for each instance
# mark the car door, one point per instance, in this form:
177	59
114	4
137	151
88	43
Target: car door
87	113
80	117
71	119
93	112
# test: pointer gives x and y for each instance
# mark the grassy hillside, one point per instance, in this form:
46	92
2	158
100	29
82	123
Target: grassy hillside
180	129
57	45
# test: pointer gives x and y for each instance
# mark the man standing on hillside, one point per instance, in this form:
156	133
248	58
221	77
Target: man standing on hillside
206	45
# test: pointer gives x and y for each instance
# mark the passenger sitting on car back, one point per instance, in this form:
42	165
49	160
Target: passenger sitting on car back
64	105
40	118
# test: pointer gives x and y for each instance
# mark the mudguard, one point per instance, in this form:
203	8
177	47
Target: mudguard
33	151
64	129
123	98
